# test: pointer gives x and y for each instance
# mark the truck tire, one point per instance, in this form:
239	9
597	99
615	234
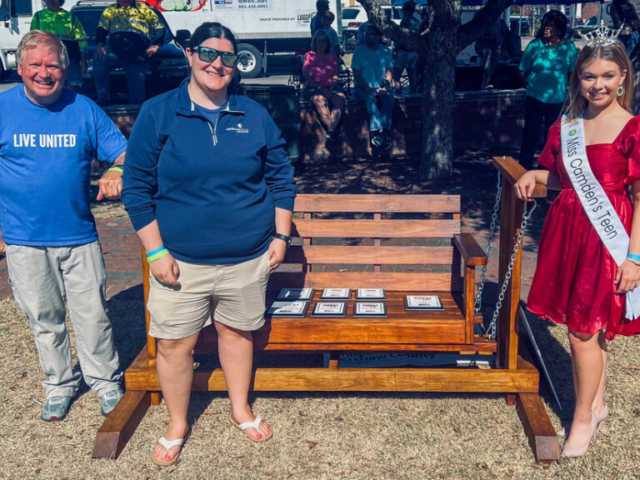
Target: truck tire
250	62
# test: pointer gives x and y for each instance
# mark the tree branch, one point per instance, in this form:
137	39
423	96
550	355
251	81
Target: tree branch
471	31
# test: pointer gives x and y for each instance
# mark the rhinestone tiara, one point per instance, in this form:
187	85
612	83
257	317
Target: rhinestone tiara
602	36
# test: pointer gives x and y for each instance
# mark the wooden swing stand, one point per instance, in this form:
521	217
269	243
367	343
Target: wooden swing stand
377	241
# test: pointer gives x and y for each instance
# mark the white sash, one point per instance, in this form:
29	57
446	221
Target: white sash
595	202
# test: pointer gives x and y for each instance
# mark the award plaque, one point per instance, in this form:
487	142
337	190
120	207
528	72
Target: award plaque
370	309
370	295
305	294
336	294
297	308
330	309
423	303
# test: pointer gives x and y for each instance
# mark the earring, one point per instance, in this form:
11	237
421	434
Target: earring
620	91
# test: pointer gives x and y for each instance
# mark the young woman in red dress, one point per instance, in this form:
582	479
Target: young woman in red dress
577	281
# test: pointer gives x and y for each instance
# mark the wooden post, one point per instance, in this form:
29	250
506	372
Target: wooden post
508	331
152	347
334	360
151	342
534	418
510	219
377	241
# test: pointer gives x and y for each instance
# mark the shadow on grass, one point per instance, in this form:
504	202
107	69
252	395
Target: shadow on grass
558	362
126	312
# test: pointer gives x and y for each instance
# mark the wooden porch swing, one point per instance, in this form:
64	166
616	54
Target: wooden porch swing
377	236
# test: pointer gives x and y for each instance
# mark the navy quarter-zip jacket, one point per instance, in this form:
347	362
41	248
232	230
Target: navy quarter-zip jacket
212	188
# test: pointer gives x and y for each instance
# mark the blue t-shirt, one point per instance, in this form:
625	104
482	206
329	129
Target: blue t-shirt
372	64
45	167
549	67
211	115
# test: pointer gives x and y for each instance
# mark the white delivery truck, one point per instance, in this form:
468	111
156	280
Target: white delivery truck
15	21
262	27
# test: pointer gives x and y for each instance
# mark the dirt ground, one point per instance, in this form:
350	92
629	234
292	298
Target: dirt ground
328	436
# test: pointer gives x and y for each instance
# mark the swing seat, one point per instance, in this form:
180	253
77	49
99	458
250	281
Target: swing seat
405	244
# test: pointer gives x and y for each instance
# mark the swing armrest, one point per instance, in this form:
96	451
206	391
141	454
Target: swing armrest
471	252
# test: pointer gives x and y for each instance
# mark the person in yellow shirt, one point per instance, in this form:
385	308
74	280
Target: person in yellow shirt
68	28
135	33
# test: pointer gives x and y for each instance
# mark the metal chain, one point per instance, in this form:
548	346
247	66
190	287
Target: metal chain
489	247
491	331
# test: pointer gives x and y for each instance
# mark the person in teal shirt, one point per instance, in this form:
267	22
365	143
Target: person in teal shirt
372	66
546	65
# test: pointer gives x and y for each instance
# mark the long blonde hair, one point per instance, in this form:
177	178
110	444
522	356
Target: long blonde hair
616	53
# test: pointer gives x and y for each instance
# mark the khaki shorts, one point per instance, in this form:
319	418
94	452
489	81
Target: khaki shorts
231	294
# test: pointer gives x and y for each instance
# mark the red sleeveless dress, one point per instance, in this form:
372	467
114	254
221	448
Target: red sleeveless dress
574	279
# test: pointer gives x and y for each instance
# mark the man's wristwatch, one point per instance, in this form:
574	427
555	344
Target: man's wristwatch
284	238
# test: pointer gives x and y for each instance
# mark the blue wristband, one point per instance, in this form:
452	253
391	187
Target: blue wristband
634	257
157	250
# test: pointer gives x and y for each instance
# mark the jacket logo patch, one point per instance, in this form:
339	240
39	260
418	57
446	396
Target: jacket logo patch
238	129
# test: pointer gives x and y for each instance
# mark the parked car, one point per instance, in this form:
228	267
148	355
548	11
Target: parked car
167	67
590	25
353	17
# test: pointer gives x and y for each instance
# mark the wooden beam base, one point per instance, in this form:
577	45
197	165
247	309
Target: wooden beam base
119	426
542	436
357	380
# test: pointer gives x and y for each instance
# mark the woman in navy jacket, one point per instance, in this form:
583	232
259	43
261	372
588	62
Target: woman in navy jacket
210	190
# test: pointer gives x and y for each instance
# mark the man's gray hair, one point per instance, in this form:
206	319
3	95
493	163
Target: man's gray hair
40	38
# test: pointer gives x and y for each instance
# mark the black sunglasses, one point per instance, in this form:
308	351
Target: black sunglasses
209	55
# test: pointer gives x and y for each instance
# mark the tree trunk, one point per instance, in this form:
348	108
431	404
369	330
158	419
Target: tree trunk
438	51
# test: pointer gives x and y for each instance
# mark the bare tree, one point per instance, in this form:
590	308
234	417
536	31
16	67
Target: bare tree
438	46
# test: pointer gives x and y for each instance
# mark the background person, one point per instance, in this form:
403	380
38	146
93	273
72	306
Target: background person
406	56
48	230
487	47
545	67
361	35
322	6
372	66
624	15
135	33
513	42
209	188
577	282
328	19
68	28
321	74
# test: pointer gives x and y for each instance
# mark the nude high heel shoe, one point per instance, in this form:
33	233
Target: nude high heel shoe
602	420
570	451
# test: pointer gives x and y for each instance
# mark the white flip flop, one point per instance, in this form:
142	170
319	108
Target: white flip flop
255	424
168	444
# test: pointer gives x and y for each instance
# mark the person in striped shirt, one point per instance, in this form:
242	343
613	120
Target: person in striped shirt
135	33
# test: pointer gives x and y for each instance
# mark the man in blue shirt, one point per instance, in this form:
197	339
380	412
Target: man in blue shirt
372	66
47	229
